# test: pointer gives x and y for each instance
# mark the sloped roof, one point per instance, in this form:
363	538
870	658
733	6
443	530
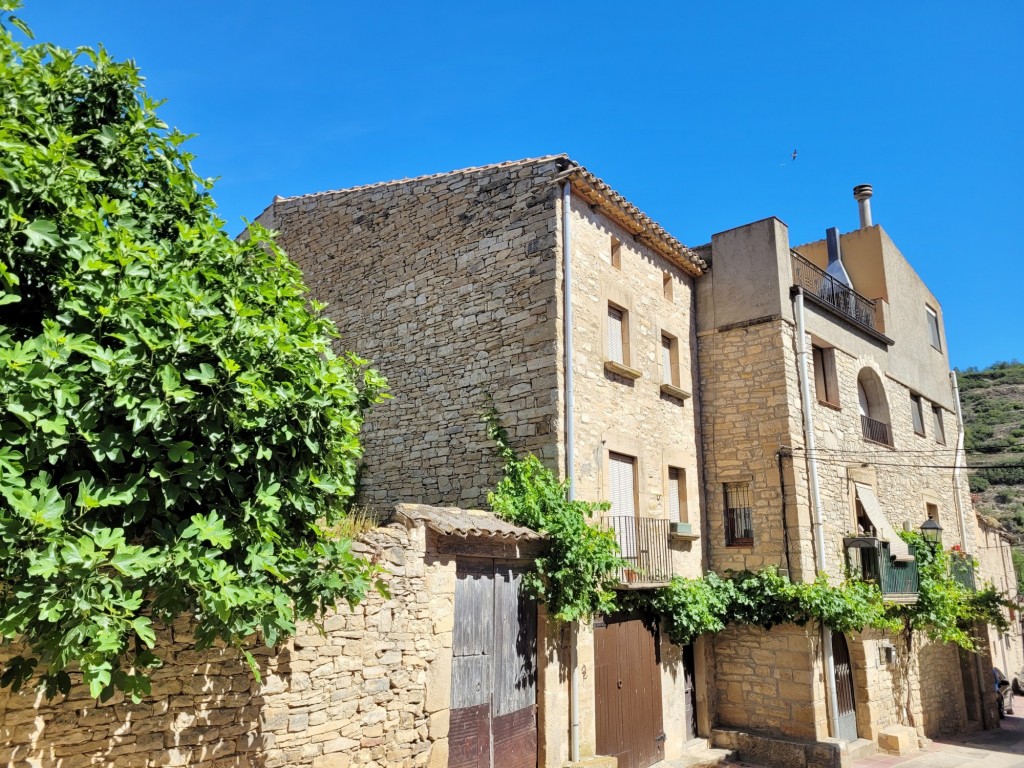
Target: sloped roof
467	523
587	185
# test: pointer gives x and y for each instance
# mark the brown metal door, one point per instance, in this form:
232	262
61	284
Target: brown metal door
846	717
627	679
494	672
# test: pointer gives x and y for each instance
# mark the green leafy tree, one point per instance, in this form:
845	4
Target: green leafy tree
176	435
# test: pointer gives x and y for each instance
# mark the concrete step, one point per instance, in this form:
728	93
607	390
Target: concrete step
701	757
861	748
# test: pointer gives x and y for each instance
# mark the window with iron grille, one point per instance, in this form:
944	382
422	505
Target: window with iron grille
739	515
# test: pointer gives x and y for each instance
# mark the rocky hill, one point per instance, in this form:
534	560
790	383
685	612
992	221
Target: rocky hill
993	407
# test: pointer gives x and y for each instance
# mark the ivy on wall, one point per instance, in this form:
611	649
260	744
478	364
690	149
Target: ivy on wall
577	575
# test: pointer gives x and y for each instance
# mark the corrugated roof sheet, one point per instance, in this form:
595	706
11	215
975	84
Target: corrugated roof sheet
453	521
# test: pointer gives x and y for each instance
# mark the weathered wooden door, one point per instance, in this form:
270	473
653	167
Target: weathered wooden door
627	680
494	670
690	693
846	717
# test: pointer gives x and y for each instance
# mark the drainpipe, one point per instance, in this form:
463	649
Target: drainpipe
812	472
957	495
570	452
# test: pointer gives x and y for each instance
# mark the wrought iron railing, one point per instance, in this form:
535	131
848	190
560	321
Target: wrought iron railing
876	431
643	542
962	570
897	580
832	292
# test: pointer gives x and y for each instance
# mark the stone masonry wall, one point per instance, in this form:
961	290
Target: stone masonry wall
446	283
995	566
747	387
372	692
633	417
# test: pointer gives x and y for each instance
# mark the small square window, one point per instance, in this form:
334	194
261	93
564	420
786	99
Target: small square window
739	515
676	495
616	253
825	385
933	327
940	429
917	413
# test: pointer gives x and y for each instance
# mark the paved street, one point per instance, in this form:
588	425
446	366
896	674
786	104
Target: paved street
1002	748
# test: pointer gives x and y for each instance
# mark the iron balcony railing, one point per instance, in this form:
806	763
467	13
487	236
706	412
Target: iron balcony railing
876	431
643	543
962	570
898	581
841	297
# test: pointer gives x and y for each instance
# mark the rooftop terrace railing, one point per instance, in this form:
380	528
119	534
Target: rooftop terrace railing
840	297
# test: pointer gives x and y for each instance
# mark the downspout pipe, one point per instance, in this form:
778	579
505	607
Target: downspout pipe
812	473
570	450
958	462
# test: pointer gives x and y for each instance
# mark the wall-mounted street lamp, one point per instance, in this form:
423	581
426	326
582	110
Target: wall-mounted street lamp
931	532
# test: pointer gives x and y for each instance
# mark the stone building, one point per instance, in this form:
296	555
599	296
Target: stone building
829	423
459	288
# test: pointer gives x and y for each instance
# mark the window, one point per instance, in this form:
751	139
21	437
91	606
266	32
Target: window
617	344
616	253
621	484
933	327
669	360
666	285
676	493
940	430
739	515
825	375
917	412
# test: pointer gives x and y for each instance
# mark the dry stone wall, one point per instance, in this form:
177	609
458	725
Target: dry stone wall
371	691
447	283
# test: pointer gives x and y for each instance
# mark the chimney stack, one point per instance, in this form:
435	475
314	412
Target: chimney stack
862	194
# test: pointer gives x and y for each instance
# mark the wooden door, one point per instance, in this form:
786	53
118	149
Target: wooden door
690	694
494	671
846	716
627	680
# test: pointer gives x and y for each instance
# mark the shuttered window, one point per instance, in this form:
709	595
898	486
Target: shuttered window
666	359
677	495
940	429
615	328
622	484
933	327
917	412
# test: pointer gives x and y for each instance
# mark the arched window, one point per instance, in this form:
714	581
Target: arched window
874	408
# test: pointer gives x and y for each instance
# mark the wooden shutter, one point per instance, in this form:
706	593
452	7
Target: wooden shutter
621	486
915	408
674	495
615	335
666	360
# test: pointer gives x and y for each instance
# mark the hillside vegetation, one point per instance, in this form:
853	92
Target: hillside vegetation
993	407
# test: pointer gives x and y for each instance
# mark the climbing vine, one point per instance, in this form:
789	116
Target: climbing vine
578	572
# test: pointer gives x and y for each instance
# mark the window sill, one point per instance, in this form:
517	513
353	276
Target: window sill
920	434
827	404
621	370
742	544
673	536
673	391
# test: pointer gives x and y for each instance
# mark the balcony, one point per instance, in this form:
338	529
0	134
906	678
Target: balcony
869	559
643	543
876	431
962	570
826	290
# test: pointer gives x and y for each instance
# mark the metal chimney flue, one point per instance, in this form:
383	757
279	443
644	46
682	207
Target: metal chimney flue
862	194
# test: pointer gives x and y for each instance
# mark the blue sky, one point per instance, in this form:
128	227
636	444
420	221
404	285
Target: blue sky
691	110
